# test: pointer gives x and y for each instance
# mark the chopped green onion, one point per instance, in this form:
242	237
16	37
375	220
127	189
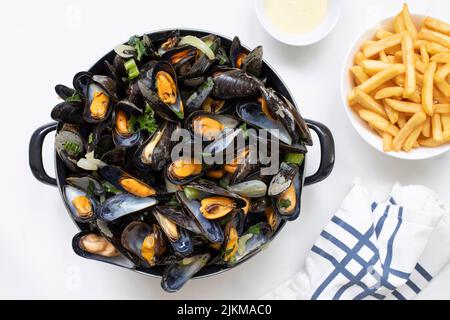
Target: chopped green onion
72	148
284	203
132	69
191	193
199	44
294	158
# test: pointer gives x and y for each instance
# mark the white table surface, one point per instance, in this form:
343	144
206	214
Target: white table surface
46	42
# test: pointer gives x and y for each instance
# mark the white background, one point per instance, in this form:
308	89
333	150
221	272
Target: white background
46	42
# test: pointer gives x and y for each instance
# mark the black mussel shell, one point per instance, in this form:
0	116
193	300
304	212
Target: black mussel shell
68	112
122	205
71	194
196	100
235	83
70	146
64	92
87	183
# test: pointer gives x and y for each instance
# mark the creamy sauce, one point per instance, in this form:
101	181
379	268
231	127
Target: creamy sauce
296	16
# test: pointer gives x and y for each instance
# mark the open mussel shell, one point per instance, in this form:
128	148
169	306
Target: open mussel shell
198	98
184	170
284	111
124	204
179	217
92	245
70	146
210	126
163	94
125	182
68	112
155	152
250	189
235	83
83	207
178	237
203	64
252	114
86	183
123	135
208	188
240	58
99	93
285	190
169	42
209	228
252	242
146	242
176	275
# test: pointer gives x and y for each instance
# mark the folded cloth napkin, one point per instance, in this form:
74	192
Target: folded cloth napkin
369	250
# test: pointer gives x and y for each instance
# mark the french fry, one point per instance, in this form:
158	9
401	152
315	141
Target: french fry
437	25
359	58
389	92
394	49
391	113
380	45
372	67
383	34
408	22
368	102
436	127
399	23
382	77
431	143
408	60
432	36
443	87
411	141
359	74
445	119
432	47
387	142
427	90
426	130
367	43
383	57
442	73
441	58
424	54
404	106
419	65
442	108
439	97
416	98
391	59
415	121
378	122
401	120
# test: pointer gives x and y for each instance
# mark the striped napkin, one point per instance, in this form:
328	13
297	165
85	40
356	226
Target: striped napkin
370	250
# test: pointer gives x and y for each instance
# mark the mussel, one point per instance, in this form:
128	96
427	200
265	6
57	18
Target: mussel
122	205
70	146
92	245
242	59
86	183
184	170
155	152
210	126
82	207
178	237
68	112
163	94
285	190
176	275
144	241
99	93
124	134
250	189
125	182
235	83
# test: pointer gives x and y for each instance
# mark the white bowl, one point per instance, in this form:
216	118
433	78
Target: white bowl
360	125
333	13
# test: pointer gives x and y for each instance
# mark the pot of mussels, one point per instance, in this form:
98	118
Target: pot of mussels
180	154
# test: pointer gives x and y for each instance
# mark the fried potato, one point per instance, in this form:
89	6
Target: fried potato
383	34
424	54
442	108
387	142
378	122
412	124
380	45
389	92
411	141
404	106
399	23
408	22
437	25
442	73
436	127
441	58
382	77
426	130
359	74
368	102
427	90
432	36
372	67
409	60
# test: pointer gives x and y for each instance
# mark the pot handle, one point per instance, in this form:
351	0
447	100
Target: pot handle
35	153
327	157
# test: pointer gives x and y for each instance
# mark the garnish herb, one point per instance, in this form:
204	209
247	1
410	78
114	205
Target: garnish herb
173	203
146	122
224	183
110	188
72	148
244	129
90	189
294	158
131	69
91	138
256	229
284	203
139	45
76	97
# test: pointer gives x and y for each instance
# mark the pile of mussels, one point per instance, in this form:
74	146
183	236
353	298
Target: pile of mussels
138	208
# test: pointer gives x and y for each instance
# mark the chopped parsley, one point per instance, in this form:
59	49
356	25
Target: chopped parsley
146	122
256	229
139	45
110	188
76	97
72	148
91	138
90	189
284	203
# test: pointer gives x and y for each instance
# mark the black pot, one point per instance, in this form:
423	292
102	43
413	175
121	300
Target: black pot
273	80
